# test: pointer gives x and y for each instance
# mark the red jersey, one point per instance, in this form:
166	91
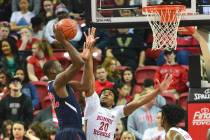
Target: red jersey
37	67
179	73
29	44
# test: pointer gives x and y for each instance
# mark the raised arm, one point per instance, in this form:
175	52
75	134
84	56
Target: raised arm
88	80
132	106
64	77
198	34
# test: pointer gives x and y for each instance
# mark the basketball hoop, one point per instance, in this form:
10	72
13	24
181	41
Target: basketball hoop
164	21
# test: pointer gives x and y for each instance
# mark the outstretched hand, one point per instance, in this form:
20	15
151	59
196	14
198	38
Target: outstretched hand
168	79
90	40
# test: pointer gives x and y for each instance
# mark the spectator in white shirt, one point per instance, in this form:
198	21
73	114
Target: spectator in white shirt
155	133
22	18
61	13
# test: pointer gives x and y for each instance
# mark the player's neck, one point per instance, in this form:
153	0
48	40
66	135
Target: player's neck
105	106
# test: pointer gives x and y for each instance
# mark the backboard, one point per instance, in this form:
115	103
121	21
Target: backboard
113	13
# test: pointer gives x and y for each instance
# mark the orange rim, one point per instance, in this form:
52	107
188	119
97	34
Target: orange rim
159	8
168	13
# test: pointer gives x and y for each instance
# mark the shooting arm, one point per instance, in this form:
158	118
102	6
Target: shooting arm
203	44
88	80
132	106
63	78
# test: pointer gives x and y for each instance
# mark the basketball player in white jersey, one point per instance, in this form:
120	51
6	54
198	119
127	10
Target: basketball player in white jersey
171	116
100	116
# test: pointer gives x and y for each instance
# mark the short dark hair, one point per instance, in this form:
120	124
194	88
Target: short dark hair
113	91
36	21
47	66
173	114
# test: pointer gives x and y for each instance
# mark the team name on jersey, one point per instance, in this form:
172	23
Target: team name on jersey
105	119
105	123
101	133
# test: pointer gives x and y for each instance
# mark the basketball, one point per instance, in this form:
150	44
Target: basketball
68	27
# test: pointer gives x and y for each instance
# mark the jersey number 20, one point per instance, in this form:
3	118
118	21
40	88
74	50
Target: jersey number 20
104	126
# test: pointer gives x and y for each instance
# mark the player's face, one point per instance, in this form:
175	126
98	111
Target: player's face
107	98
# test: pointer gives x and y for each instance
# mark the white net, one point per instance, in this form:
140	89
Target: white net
164	22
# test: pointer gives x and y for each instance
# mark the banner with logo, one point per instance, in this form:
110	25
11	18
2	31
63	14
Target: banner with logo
198	120
199	95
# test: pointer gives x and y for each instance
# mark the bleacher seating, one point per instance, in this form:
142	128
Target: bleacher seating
170	98
41	91
145	72
63	58
136	89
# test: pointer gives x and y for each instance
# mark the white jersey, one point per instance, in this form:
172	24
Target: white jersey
101	122
183	133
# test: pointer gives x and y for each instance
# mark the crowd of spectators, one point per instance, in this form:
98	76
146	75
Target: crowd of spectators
27	42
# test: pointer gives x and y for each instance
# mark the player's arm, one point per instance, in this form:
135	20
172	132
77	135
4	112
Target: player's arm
87	77
132	106
203	44
77	62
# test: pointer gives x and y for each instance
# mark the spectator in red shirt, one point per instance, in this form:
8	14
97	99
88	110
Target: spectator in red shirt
101	79
180	76
41	53
26	41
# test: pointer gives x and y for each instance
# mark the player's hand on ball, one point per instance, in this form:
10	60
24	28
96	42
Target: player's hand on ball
59	36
